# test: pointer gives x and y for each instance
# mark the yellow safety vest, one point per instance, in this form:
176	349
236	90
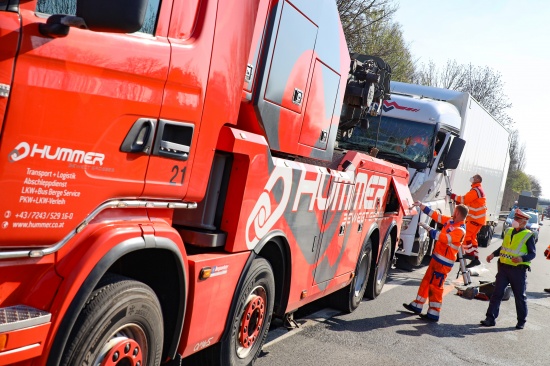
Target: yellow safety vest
517	247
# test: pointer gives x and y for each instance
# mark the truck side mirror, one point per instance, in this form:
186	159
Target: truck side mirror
453	155
121	16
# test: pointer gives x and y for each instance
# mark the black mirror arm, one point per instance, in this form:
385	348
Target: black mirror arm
58	25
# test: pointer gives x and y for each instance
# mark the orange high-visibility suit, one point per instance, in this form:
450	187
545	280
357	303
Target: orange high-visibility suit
448	241
477	217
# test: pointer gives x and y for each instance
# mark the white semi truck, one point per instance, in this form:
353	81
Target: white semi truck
431	131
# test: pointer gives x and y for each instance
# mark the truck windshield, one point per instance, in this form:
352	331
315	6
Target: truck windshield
413	141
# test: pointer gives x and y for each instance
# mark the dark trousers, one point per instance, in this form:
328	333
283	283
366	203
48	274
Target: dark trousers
516	276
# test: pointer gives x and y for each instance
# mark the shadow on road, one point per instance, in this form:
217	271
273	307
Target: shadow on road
421	326
537	295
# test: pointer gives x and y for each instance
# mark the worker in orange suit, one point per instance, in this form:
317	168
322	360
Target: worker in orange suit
447	244
477	217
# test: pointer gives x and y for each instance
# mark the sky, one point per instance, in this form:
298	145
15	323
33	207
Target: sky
510	37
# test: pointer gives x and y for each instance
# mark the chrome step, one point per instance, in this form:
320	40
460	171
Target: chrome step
20	317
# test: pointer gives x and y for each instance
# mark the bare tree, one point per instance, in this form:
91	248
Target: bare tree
426	75
69	7
486	86
514	150
521	157
452	75
483	83
56	7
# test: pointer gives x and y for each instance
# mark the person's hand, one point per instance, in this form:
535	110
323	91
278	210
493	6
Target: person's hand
490	257
517	259
417	203
449	192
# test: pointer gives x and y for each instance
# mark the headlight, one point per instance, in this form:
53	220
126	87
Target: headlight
406	222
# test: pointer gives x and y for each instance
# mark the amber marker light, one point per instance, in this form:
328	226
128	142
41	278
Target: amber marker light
206	272
3	341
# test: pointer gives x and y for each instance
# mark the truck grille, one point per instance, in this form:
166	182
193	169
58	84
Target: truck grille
20	316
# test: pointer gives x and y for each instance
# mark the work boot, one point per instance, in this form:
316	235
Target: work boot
426	317
488	322
547	290
411	308
520	325
474	262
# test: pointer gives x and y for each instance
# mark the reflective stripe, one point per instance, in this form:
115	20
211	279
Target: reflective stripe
479	193
477	208
417	306
519	252
503	255
524	240
477	216
514	252
420	299
436	237
435	304
449	238
438	218
455	247
443	260
433	314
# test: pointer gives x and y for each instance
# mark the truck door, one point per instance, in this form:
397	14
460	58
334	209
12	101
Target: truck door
73	101
210	43
334	233
184	97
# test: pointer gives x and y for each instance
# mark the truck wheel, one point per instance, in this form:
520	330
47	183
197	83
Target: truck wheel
349	298
485	235
379	272
423	247
252	316
121	324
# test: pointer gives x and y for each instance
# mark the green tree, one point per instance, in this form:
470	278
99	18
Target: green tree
369	29
519	181
536	188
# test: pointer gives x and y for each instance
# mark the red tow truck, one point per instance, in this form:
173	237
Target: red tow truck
170	178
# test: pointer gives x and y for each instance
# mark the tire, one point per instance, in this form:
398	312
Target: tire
379	272
122	319
254	307
349	298
484	236
423	247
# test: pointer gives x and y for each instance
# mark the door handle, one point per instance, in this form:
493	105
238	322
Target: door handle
140	137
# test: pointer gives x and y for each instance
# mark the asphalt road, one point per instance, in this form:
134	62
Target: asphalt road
381	332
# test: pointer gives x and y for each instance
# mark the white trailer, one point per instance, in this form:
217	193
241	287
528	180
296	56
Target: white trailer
418	127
